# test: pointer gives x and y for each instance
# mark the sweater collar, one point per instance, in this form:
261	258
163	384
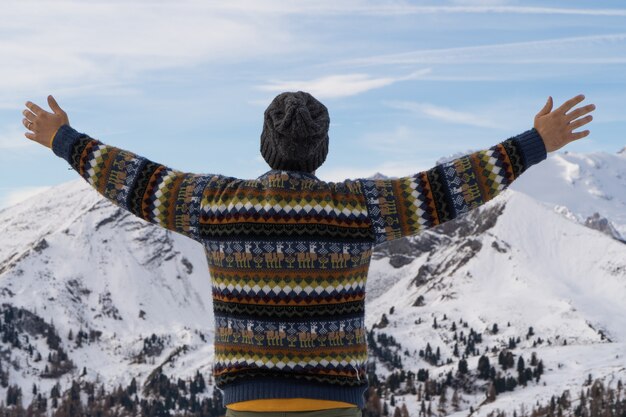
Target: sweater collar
296	174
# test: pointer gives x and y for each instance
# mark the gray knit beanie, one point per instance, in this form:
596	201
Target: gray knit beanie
295	132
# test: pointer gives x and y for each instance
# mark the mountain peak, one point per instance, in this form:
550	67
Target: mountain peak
378	176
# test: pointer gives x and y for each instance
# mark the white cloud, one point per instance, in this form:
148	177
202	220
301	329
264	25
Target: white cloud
343	85
98	44
476	8
479	2
444	114
578	50
351	7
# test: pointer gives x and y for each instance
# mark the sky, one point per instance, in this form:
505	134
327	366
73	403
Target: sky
185	83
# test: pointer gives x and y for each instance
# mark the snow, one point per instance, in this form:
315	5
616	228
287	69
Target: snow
102	279
570	284
583	183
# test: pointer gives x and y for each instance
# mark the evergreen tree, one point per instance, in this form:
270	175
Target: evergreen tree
463	366
521	374
455	402
132	388
520	365
483	367
540	368
442	400
404	412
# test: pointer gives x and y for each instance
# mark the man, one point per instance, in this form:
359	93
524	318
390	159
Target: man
288	254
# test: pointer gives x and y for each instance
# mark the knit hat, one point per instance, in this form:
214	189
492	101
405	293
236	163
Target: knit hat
295	132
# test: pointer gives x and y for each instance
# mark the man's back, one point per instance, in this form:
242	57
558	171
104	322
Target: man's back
288	256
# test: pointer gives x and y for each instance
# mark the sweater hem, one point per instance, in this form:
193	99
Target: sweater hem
271	389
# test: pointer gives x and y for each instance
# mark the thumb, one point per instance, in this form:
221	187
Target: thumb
547	108
54	105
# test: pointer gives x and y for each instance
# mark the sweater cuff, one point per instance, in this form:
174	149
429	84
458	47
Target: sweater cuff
63	141
532	146
52	138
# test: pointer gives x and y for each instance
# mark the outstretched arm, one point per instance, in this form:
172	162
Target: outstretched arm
153	192
405	206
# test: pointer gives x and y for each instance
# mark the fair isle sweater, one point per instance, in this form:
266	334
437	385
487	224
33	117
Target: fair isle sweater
288	254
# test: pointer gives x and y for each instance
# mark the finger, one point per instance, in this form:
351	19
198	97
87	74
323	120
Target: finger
35	108
29	115
29	135
580	122
27	124
574	114
579	135
570	103
546	108
54	105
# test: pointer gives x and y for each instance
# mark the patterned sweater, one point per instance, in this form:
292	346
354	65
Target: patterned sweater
288	254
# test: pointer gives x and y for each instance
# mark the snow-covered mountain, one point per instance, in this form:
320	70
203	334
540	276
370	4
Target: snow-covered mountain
75	260
518	265
587	187
80	262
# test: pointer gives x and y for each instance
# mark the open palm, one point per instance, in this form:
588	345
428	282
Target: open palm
42	124
556	126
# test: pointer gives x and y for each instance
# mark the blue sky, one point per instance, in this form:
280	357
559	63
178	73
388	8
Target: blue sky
185	83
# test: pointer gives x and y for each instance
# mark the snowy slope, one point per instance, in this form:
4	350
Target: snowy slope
573	271
79	261
532	267
580	184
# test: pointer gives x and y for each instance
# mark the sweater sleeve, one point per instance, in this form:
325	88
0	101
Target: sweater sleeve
404	206
154	192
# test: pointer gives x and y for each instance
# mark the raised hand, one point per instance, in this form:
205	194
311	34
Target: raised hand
555	127
43	124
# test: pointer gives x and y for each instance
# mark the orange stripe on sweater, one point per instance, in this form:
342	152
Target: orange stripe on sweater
288	404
